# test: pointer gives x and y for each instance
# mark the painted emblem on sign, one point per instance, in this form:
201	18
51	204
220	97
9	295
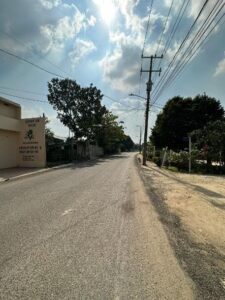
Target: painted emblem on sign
29	135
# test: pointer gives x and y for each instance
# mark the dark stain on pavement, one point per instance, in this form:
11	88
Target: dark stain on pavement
128	206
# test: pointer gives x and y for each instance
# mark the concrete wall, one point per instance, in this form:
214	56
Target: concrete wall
10	126
88	151
95	151
8	149
32	151
10	109
22	142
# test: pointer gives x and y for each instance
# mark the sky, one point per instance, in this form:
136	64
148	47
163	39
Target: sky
101	42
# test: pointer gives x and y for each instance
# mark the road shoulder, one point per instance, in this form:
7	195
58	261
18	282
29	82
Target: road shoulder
203	263
12	174
151	250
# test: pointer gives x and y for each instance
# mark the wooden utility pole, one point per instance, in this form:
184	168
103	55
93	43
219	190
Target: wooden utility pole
149	88
140	138
189	140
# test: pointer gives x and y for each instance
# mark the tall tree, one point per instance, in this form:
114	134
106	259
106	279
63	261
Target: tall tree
127	144
78	108
181	116
211	141
110	133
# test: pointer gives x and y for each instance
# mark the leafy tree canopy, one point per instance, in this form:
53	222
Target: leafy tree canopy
211	141
78	108
127	144
110	133
181	116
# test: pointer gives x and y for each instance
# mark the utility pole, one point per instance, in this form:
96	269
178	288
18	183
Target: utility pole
140	137
189	140
149	88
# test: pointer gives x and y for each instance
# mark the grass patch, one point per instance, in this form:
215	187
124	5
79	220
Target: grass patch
173	169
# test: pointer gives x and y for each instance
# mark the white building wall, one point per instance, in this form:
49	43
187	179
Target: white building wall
8	149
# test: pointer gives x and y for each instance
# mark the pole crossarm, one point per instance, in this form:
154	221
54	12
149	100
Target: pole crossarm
153	56
153	71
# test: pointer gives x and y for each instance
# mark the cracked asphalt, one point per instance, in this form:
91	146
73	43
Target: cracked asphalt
86	232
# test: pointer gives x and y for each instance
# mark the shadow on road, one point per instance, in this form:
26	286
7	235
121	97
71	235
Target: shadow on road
94	162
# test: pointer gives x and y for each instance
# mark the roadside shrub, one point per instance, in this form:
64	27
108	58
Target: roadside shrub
179	160
150	156
157	161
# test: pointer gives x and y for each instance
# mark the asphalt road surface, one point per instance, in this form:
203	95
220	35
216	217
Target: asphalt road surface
85	232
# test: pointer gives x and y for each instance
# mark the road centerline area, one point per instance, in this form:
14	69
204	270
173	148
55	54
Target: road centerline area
87	232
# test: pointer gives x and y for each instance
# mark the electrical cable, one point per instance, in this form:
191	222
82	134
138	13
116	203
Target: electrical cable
31	63
24	98
188	57
181	46
144	43
164	27
31	50
174	30
196	39
21	90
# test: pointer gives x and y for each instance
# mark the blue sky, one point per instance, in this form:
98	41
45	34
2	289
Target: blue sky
100	42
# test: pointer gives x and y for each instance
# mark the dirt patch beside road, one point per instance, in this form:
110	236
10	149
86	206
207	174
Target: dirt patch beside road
192	208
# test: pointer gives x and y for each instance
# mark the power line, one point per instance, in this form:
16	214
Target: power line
162	33
176	25
164	27
174	29
196	39
42	101
30	49
116	101
144	43
147	28
31	63
45	70
126	105
21	90
180	48
191	53
24	98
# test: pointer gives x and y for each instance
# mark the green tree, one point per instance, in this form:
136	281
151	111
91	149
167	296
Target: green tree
110	133
78	108
127	144
211	141
181	116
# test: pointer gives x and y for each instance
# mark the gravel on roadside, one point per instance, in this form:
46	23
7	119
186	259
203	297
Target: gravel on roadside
202	262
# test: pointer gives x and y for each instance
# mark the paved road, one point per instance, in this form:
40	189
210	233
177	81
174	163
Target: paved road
87	232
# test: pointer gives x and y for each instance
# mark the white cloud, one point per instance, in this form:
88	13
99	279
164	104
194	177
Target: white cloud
92	21
81	49
32	112
120	68
67	28
49	4
121	65
220	69
195	7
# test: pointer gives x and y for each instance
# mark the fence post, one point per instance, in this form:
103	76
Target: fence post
164	157
189	139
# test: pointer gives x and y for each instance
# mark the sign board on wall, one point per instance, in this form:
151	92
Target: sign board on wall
32	152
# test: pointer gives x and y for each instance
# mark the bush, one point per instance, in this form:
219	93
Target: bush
149	156
157	161
179	160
